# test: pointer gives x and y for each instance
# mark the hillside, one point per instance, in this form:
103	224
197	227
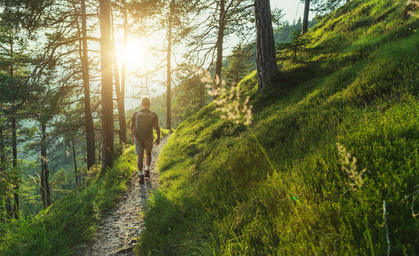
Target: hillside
329	165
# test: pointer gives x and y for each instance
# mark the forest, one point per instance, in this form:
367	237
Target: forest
287	133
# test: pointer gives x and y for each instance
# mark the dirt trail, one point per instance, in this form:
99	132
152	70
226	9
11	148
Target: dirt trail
117	232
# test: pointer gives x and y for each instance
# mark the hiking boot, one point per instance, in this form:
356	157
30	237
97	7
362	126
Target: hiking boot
141	179
147	173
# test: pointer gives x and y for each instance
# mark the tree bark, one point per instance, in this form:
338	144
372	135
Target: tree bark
107	92
305	18
220	40
99	155
169	67
124	63
7	201
119	97
14	163
265	45
14	141
90	133
75	163
45	191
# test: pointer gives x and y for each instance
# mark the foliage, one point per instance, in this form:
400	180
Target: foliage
221	20
300	194
238	65
297	45
287	32
62	228
327	5
190	95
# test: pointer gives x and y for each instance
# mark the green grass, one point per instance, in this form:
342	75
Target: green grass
64	227
67	225
356	84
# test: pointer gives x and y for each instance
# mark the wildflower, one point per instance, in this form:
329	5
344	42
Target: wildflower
229	104
348	163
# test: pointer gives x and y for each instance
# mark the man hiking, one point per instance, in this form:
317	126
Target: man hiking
142	124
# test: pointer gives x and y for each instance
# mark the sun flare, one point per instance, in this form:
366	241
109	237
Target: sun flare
134	54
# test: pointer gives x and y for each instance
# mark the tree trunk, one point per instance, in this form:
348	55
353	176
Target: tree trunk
7	202
107	92
124	63
169	67
265	45
220	39
9	208
99	155
119	98
45	191
90	133
305	18
14	162
75	163
14	141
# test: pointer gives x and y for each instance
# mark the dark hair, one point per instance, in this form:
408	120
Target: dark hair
146	102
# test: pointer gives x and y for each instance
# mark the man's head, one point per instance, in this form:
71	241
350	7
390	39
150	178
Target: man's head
146	102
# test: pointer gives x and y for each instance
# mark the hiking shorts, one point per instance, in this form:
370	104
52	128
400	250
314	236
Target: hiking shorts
141	145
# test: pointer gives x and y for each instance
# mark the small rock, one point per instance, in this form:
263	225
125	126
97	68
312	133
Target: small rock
124	250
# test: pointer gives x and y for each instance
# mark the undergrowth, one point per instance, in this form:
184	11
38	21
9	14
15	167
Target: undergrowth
68	224
338	172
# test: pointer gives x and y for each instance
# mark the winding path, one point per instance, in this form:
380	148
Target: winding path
118	231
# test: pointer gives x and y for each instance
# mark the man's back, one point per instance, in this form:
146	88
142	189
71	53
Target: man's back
144	121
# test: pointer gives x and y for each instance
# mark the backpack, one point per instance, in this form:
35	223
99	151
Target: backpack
143	125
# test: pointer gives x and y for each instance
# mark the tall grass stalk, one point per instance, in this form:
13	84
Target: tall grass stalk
283	186
230	104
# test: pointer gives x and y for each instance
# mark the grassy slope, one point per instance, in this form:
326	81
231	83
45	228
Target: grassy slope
69	223
355	84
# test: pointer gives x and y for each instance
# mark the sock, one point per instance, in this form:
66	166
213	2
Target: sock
140	173
147	167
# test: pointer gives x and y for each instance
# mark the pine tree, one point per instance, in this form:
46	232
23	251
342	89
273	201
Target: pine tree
224	18
238	65
107	92
265	46
305	18
89	128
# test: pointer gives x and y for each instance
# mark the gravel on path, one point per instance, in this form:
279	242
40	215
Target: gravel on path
118	231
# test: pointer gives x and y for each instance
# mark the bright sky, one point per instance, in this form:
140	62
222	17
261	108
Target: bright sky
140	59
293	9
